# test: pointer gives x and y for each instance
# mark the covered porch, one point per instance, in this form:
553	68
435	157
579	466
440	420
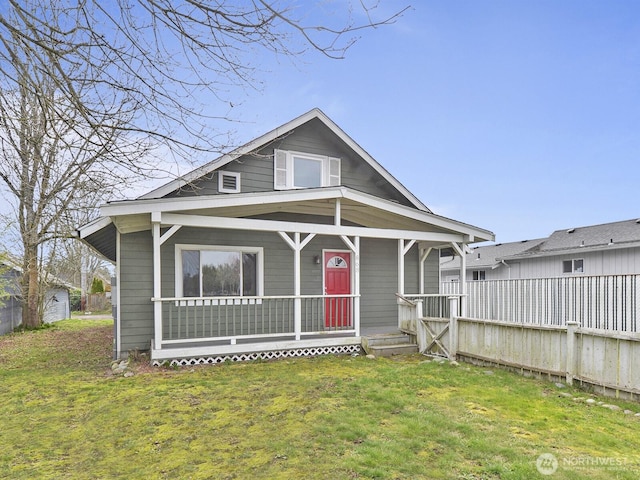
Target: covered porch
190	330
289	311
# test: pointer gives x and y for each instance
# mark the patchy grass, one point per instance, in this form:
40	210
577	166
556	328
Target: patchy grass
65	415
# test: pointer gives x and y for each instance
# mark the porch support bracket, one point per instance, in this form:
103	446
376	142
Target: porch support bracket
169	233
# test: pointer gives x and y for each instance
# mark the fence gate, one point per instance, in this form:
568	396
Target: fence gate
436	337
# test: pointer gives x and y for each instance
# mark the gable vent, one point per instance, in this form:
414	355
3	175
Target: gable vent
228	182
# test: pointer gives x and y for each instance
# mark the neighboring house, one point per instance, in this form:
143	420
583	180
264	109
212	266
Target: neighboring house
10	309
297	242
57	302
607	249
486	262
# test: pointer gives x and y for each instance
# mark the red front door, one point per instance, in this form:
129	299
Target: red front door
337	281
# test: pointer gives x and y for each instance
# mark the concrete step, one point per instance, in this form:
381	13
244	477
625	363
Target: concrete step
389	350
385	345
387	339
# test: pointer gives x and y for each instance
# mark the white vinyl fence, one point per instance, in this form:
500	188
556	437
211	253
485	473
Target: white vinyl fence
609	302
583	328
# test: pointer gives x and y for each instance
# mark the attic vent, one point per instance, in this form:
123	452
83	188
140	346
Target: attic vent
571	230
638	220
228	182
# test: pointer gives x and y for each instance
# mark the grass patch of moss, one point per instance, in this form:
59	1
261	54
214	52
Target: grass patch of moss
66	416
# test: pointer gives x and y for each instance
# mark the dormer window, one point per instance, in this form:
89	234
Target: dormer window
228	182
304	170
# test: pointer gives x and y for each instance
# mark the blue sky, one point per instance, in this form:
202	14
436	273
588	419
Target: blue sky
518	117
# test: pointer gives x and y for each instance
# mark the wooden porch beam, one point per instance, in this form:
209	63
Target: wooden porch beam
277	226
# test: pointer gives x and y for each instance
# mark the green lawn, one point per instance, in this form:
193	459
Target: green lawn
65	415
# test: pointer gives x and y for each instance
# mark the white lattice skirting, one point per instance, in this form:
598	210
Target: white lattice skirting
272	355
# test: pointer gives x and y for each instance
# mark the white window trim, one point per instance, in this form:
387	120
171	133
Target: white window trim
573	266
484	272
327	179
259	251
221	187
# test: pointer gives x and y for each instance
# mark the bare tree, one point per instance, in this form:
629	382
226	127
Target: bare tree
88	89
156	59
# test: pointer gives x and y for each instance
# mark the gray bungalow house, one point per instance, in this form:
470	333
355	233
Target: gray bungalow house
296	243
605	249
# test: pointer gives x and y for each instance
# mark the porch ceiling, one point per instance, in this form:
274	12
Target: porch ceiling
351	213
314	208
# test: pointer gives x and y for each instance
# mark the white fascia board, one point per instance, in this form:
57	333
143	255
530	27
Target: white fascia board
228	157
478	234
133	207
370	160
281	226
271	136
94	226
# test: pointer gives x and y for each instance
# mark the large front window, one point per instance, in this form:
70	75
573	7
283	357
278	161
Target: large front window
218	271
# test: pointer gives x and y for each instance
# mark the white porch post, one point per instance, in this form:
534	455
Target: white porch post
402	251
355	248
463	283
297	318
297	246
356	286
157	289
424	253
400	266
462	251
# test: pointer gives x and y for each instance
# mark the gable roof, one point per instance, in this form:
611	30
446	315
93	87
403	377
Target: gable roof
490	256
269	137
614	235
606	236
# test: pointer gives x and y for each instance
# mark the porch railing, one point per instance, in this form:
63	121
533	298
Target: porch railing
435	305
430	317
232	319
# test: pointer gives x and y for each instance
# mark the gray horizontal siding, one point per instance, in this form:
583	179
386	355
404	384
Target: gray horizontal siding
313	137
136	290
378	270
